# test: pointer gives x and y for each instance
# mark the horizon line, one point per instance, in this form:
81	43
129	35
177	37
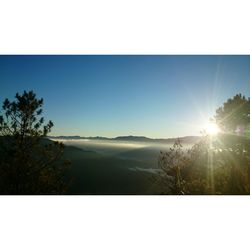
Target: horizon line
154	138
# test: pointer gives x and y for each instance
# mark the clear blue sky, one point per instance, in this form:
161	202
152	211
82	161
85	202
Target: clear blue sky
155	96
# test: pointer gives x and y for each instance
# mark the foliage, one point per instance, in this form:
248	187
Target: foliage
234	114
215	165
212	166
172	164
30	163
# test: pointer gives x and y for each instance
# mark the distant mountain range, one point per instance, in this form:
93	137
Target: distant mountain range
186	139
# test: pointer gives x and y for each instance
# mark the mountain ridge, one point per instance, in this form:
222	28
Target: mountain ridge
185	139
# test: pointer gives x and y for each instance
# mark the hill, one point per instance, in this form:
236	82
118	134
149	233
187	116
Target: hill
95	173
186	139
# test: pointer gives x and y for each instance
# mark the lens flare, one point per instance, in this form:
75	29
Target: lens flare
212	128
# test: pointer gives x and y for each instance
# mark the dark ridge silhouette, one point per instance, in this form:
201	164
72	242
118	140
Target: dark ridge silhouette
186	139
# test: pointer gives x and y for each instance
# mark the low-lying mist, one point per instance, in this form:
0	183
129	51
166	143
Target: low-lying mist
146	152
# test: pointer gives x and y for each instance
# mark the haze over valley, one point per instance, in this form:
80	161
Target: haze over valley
124	124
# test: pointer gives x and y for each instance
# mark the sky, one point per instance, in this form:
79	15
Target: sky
153	96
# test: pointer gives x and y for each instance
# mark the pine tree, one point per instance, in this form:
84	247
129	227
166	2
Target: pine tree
30	163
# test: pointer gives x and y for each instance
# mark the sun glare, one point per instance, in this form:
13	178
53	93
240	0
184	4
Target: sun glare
212	128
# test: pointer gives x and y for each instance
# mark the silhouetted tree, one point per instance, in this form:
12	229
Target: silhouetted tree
212	166
30	163
234	115
217	164
172	164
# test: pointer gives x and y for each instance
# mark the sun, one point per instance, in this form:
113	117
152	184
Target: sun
212	128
